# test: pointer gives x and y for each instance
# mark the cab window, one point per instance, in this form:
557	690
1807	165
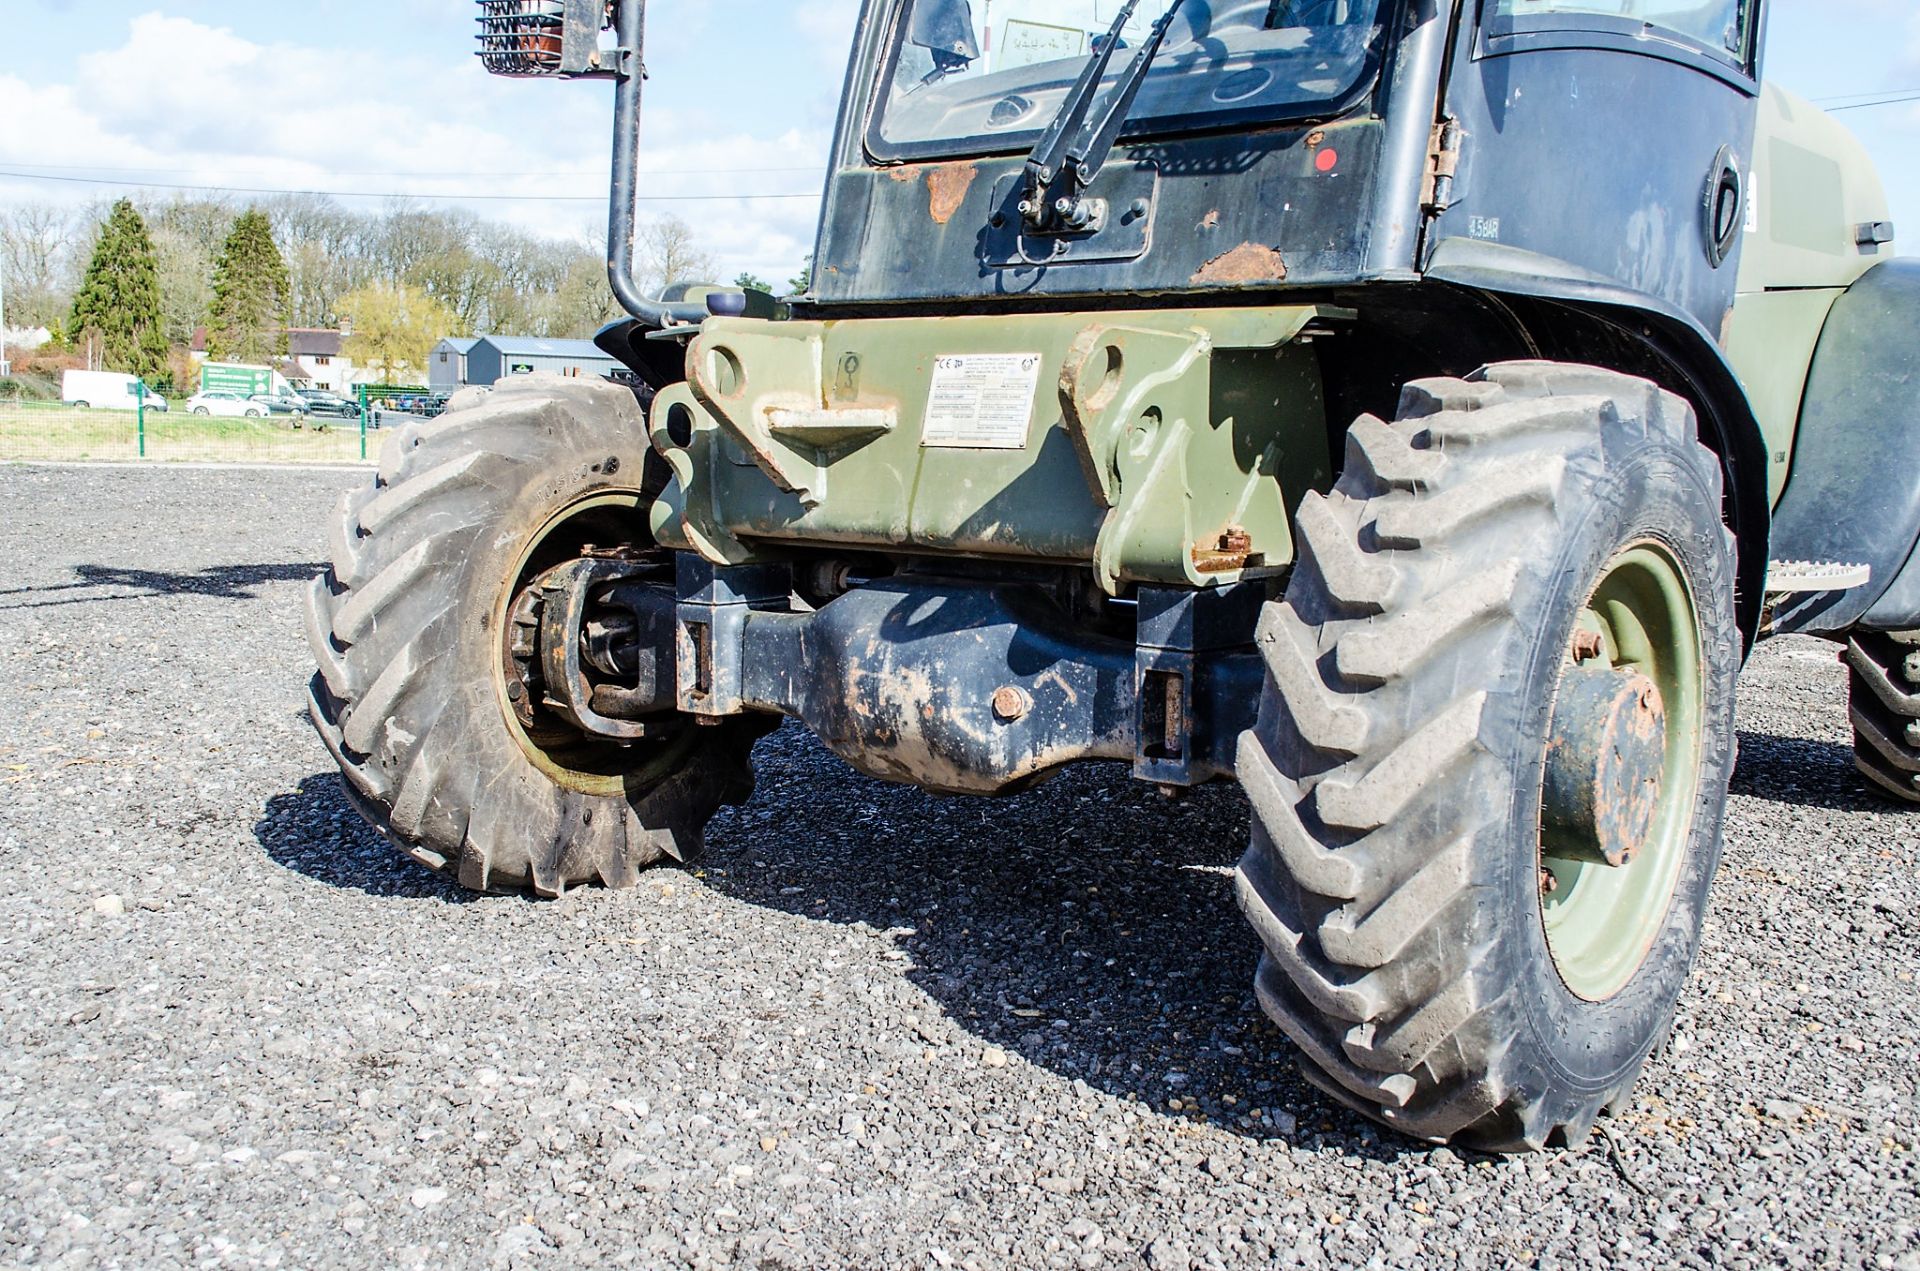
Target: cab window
1722	26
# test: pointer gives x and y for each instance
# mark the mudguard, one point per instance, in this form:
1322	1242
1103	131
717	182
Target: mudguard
1854	494
1638	333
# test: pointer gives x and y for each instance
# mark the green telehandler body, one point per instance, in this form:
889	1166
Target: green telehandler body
1412	410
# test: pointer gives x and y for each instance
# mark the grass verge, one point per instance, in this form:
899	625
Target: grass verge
31	431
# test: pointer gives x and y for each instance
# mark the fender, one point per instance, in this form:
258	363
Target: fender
1571	314
1854	491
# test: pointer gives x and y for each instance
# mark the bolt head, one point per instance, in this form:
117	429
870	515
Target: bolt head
1011	702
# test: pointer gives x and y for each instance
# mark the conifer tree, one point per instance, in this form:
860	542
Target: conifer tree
248	319
117	308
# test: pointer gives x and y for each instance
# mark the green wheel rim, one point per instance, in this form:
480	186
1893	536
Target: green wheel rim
1601	921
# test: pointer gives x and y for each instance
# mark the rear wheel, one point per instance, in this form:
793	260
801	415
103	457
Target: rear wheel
200	410
1489	773
1886	711
418	630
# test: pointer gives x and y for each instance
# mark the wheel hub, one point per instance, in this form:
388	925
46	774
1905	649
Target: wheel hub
1605	756
1624	749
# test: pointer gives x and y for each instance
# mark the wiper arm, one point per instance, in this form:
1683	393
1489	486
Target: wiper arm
1075	147
1043	165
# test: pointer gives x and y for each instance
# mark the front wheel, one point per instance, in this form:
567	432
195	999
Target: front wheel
420	628
1490	771
253	414
201	411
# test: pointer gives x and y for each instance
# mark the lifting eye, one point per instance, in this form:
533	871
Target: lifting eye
680	425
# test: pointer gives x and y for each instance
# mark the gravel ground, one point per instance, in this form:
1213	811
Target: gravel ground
873	1029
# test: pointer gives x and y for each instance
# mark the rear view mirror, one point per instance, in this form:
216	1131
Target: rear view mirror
945	29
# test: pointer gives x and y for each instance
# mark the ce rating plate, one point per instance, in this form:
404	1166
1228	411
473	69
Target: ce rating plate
981	401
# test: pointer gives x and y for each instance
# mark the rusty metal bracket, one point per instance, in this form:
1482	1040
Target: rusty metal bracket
1143	408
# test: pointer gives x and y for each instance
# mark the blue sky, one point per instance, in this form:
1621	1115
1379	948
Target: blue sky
370	95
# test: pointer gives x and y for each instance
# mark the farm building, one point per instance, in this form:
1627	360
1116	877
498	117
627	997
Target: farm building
447	367
494	357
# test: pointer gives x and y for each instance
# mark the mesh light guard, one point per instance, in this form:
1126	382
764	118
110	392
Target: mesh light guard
527	38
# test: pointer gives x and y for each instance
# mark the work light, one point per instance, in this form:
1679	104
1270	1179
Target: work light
529	38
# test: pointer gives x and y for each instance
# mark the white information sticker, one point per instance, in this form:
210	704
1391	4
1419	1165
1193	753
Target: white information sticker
981	401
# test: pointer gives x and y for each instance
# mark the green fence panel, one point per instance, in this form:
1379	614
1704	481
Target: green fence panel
34	431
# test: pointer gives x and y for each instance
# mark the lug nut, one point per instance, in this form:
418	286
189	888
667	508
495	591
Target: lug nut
1587	645
1549	884
1011	702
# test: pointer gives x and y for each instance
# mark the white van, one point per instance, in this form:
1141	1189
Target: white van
106	390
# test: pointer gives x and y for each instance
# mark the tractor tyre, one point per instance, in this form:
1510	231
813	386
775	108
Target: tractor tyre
1885	701
1509	643
412	629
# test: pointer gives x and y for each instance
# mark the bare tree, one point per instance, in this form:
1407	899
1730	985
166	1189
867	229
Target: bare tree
668	253
36	248
185	270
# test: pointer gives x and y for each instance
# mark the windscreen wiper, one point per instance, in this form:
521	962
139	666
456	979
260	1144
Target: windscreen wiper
1076	144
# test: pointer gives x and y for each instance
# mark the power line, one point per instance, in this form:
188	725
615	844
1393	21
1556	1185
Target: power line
389	172
1890	101
1847	97
398	194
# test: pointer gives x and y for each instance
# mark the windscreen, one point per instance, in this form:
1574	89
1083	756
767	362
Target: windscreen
1718	24
991	74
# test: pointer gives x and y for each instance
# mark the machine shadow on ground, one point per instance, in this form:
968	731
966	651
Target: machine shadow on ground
314	830
1088	926
224	582
1803	772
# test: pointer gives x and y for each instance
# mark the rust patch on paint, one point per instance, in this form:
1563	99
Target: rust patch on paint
947	186
1231	550
1211	219
1249	262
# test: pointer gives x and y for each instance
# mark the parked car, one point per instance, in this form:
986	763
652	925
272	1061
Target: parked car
324	405
222	403
107	390
283	402
415	405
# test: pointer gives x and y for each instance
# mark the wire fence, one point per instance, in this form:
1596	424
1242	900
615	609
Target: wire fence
32	431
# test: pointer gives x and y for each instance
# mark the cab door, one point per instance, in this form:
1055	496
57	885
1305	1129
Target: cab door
1602	143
